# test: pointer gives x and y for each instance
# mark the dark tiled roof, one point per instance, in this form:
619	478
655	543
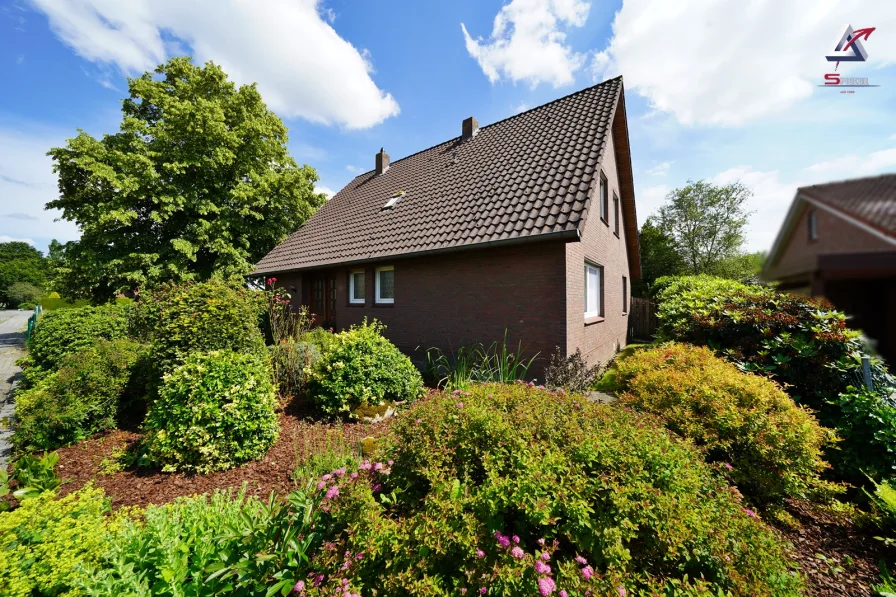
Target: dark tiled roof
872	200
520	178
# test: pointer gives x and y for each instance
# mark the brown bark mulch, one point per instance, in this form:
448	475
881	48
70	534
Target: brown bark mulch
84	462
836	556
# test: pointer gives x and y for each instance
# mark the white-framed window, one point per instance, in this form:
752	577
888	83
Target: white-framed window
385	284
356	287
813	225
615	214
594	290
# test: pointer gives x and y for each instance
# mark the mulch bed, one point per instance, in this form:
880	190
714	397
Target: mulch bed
82	463
836	556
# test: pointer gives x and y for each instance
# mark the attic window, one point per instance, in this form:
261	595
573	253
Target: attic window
393	200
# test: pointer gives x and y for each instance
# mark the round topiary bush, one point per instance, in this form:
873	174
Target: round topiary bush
743	420
179	319
85	396
511	490
361	368
67	331
215	411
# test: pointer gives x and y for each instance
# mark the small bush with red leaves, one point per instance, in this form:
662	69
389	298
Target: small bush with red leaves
770	447
513	490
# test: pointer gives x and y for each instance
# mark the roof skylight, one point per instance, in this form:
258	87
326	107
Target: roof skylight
393	200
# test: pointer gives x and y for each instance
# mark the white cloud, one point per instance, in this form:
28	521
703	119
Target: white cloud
661	169
723	62
302	66
649	201
355	169
10	239
27	182
528	42
325	190
521	107
852	166
20	59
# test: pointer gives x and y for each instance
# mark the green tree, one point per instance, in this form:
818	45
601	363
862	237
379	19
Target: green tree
706	223
659	257
20	262
197	183
23	292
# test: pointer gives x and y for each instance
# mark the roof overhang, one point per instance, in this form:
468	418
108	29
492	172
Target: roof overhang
570	235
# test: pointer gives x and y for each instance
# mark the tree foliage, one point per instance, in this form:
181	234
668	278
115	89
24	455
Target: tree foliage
706	224
197	183
659	257
20	263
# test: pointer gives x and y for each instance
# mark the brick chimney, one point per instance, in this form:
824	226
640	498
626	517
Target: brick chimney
382	161
470	128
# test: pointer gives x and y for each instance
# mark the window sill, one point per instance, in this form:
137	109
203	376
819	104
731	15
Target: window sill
593	320
356	305
375	304
617	234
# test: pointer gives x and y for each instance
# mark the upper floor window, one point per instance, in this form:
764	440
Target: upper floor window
615	214
604	199
812	221
594	293
356	287
385	284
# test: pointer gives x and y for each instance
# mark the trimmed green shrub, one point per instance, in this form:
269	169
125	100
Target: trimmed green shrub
320	337
215	411
867	424
46	544
83	397
519	491
67	331
178	319
803	343
739	419
361	369
50	302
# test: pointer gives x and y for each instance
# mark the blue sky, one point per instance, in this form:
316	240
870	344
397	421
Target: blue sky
715	89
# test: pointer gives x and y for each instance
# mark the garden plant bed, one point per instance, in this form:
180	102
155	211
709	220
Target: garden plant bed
83	462
836	556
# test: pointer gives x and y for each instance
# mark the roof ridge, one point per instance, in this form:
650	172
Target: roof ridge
511	117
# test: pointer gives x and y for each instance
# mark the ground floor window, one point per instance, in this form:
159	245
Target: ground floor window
385	284
594	293
356	287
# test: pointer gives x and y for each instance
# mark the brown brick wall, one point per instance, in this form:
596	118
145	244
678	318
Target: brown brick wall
468	296
599	341
835	235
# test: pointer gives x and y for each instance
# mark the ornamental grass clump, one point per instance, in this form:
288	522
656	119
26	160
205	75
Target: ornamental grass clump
215	411
770	447
514	490
361	368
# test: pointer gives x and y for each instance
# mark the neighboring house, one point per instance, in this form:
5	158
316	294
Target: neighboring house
527	224
839	241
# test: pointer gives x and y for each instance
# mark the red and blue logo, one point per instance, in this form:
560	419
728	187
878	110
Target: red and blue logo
848	47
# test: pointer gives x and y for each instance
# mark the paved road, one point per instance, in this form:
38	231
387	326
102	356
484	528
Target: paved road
12	339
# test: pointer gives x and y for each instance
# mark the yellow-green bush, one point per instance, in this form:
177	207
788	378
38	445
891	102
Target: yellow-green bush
739	419
45	543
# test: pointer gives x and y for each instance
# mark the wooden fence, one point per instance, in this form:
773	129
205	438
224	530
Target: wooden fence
642	321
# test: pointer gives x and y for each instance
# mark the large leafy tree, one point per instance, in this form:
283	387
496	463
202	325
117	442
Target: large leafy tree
659	257
20	263
706	223
197	183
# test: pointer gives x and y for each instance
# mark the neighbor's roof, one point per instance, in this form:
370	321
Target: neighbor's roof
522	178
871	200
868	202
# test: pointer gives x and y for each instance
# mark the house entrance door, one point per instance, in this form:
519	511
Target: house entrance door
323	301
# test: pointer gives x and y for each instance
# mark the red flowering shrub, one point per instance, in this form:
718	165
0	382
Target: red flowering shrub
770	447
513	490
